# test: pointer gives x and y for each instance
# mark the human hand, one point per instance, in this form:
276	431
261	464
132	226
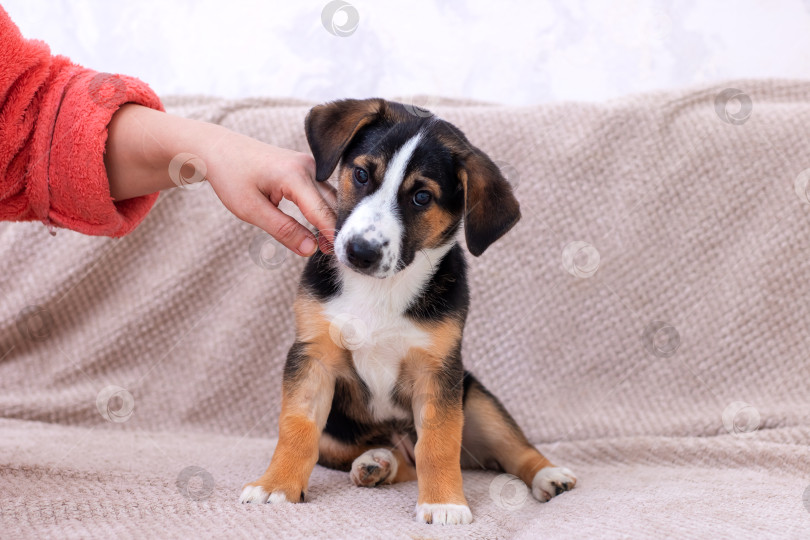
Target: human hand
249	176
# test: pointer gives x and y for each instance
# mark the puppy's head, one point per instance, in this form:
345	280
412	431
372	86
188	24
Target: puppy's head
405	183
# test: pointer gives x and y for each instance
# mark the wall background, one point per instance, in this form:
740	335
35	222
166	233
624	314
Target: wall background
507	51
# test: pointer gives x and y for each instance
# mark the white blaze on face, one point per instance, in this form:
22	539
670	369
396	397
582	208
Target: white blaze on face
375	218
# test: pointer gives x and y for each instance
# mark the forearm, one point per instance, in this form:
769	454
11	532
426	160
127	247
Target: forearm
141	144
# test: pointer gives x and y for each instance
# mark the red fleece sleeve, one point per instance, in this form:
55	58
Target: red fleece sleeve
53	132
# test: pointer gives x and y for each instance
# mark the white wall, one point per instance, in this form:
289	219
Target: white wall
504	51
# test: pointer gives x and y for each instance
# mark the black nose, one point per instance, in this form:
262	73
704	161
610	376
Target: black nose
363	254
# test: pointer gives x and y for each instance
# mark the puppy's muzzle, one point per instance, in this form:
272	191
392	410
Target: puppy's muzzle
363	254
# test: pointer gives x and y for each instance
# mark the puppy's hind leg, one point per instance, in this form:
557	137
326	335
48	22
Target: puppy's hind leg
368	465
378	466
491	439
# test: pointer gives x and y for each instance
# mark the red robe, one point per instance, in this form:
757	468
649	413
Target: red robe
53	132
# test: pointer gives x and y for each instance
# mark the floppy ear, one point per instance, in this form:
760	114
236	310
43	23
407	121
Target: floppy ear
330	128
490	207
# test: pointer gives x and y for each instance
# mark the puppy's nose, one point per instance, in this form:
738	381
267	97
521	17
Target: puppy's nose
363	254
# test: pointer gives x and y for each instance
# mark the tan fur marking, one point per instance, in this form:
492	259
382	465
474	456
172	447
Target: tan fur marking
293	459
474	194
346	188
341	456
438	457
315	330
430	184
445	336
434	220
489	435
338	453
367	161
346	194
310	322
438	422
531	461
406	472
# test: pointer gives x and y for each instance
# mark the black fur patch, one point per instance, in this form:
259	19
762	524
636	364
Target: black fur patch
348	403
321	276
446	293
297	361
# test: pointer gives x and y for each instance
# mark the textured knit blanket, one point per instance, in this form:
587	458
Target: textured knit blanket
646	323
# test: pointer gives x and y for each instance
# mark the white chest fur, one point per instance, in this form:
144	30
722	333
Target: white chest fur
368	317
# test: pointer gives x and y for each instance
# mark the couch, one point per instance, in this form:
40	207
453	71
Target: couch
646	323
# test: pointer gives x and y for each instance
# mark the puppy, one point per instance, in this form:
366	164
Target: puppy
374	383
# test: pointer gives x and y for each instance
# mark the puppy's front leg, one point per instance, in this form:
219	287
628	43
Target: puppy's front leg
439	419
309	385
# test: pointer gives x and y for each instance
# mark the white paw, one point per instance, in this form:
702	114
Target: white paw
444	514
552	481
374	467
277	498
257	494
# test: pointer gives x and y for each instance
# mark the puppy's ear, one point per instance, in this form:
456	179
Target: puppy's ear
331	127
490	207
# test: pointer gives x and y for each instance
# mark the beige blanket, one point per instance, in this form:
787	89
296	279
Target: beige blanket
646	323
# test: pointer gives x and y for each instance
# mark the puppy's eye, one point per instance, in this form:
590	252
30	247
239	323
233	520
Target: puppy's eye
360	175
421	198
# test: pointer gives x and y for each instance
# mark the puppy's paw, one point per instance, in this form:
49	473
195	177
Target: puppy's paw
552	481
444	514
374	467
257	492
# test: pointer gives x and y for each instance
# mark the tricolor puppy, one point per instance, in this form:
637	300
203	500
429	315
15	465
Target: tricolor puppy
374	383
